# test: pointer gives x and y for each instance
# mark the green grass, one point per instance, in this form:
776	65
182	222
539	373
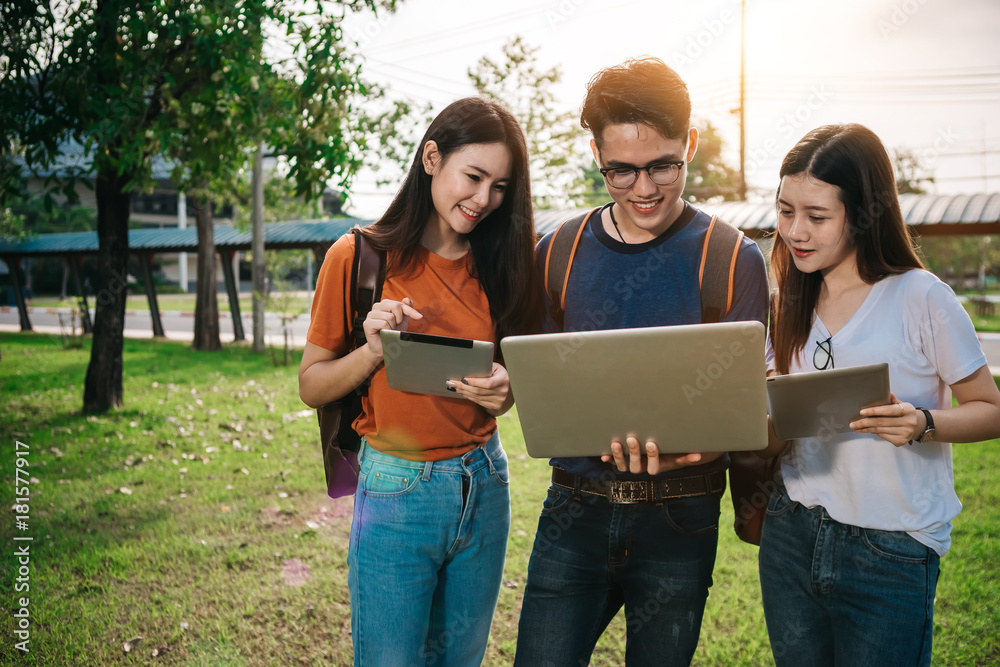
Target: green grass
983	323
171	302
194	560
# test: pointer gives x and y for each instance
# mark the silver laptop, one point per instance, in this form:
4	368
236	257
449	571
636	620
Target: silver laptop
823	403
423	363
690	388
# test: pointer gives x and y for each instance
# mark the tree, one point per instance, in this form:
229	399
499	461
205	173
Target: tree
554	147
709	177
192	81
911	174
952	258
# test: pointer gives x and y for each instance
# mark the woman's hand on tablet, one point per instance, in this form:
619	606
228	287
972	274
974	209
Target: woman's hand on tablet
388	314
895	423
492	393
631	459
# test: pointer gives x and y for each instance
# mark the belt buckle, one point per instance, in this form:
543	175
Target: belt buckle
627	492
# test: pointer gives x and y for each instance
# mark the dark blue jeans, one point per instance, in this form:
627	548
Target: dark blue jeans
591	557
836	594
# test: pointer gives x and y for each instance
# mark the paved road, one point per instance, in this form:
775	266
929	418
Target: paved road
180	326
176	325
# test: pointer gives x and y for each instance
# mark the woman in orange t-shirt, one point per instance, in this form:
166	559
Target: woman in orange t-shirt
432	508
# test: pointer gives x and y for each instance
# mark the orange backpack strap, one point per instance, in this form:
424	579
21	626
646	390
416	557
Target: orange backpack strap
717	269
559	260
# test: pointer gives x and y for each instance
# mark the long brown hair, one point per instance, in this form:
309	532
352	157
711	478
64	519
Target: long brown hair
852	158
503	243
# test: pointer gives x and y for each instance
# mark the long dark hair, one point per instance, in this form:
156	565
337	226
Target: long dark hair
503	243
852	158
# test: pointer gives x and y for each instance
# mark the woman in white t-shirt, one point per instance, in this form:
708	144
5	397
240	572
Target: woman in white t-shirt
852	538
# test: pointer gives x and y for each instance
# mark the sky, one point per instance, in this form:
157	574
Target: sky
922	74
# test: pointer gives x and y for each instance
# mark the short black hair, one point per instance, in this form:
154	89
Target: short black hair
640	90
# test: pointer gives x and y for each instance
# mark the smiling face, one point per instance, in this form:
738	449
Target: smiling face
813	223
645	210
466	187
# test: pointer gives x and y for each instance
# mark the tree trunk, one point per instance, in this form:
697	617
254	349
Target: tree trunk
103	386
259	272
206	309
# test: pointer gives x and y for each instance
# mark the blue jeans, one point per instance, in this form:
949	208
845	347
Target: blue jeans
836	594
591	557
426	556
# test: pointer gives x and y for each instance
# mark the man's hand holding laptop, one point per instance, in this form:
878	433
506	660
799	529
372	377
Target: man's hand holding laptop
634	461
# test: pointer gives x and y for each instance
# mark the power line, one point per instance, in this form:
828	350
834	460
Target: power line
460	30
383	63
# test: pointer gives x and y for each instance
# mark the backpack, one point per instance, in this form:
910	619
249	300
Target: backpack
748	473
338	439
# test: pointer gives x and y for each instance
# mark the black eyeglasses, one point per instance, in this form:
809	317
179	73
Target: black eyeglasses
824	351
661	173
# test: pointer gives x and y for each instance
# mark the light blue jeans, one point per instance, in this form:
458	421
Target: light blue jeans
426	556
836	594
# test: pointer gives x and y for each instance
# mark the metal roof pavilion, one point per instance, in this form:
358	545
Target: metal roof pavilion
925	214
277	236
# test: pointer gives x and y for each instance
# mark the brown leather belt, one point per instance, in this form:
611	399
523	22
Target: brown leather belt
643	491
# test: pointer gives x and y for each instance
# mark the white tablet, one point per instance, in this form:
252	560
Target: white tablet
823	403
422	363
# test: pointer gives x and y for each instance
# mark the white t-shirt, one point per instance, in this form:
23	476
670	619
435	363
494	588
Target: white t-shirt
914	322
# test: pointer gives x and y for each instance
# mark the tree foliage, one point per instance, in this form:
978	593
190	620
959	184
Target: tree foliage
557	155
911	174
709	176
196	83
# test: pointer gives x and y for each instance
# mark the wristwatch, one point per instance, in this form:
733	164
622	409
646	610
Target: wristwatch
928	433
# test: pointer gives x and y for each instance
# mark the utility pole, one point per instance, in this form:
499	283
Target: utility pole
743	100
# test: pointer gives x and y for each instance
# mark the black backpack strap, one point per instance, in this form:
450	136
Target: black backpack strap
717	269
367	276
559	261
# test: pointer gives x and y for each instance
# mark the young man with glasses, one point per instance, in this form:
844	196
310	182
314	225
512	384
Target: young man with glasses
636	265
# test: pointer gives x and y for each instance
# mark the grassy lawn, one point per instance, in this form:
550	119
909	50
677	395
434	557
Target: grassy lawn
983	323
196	518
171	302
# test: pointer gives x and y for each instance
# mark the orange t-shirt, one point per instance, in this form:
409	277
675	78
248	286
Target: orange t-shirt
416	427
